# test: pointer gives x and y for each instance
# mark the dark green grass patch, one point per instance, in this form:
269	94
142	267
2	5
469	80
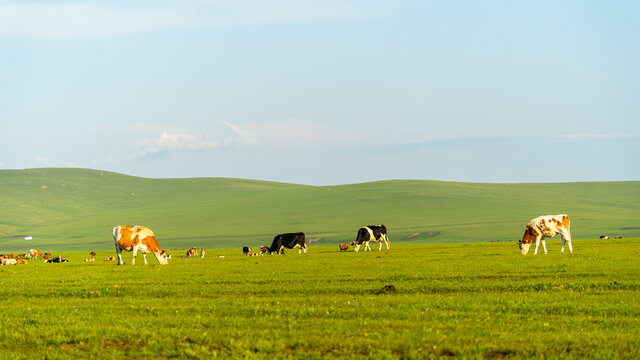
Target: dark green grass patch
482	301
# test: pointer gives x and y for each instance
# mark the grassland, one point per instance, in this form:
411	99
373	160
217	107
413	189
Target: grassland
464	300
75	209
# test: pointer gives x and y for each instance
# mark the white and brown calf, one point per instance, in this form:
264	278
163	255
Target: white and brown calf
543	227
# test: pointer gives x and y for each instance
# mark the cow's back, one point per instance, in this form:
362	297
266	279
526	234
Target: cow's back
550	225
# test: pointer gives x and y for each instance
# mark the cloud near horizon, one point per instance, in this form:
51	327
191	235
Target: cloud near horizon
192	141
278	134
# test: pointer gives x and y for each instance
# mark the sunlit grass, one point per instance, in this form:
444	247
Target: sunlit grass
463	300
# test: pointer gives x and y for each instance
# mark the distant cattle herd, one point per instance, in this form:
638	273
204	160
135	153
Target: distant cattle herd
134	238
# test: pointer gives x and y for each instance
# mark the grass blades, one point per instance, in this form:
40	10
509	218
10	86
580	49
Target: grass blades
414	301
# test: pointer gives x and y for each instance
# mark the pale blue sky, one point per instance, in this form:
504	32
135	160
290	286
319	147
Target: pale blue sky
324	92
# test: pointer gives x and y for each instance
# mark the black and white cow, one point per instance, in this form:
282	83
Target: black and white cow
376	233
289	241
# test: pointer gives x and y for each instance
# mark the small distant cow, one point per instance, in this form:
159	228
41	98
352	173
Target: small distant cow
192	252
247	251
20	261
33	253
264	250
9	261
132	238
546	226
109	259
604	237
202	254
93	254
89	259
344	247
289	241
366	234
57	259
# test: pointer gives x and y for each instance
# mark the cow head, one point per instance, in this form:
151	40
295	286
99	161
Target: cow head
526	241
356	246
162	257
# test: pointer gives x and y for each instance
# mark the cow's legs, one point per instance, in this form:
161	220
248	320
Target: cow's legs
144	257
366	246
386	240
544	246
304	246
380	247
119	251
537	244
566	238
135	252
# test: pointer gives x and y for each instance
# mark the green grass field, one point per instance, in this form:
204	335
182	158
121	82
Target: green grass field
465	300
75	209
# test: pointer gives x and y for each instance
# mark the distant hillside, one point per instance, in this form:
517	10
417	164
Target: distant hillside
75	209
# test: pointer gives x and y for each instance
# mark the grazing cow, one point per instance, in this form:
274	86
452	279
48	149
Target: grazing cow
21	261
93	254
546	226
57	259
376	233
192	252
132	238
344	247
264	250
289	241
109	259
9	261
34	253
604	237
89	259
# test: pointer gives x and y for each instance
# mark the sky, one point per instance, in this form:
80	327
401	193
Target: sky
324	92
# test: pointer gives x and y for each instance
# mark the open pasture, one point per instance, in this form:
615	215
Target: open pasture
474	300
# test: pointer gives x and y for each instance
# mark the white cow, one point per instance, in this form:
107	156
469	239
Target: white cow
546	226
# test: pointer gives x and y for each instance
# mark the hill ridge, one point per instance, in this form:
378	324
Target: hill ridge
76	208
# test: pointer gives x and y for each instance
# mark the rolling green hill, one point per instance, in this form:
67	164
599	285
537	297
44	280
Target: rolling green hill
75	209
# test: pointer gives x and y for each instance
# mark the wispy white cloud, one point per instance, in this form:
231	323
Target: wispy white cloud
81	20
175	142
243	136
86	19
193	140
41	160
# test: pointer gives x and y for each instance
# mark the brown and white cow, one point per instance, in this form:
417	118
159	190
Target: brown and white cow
543	227
344	247
192	252
33	253
132	238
